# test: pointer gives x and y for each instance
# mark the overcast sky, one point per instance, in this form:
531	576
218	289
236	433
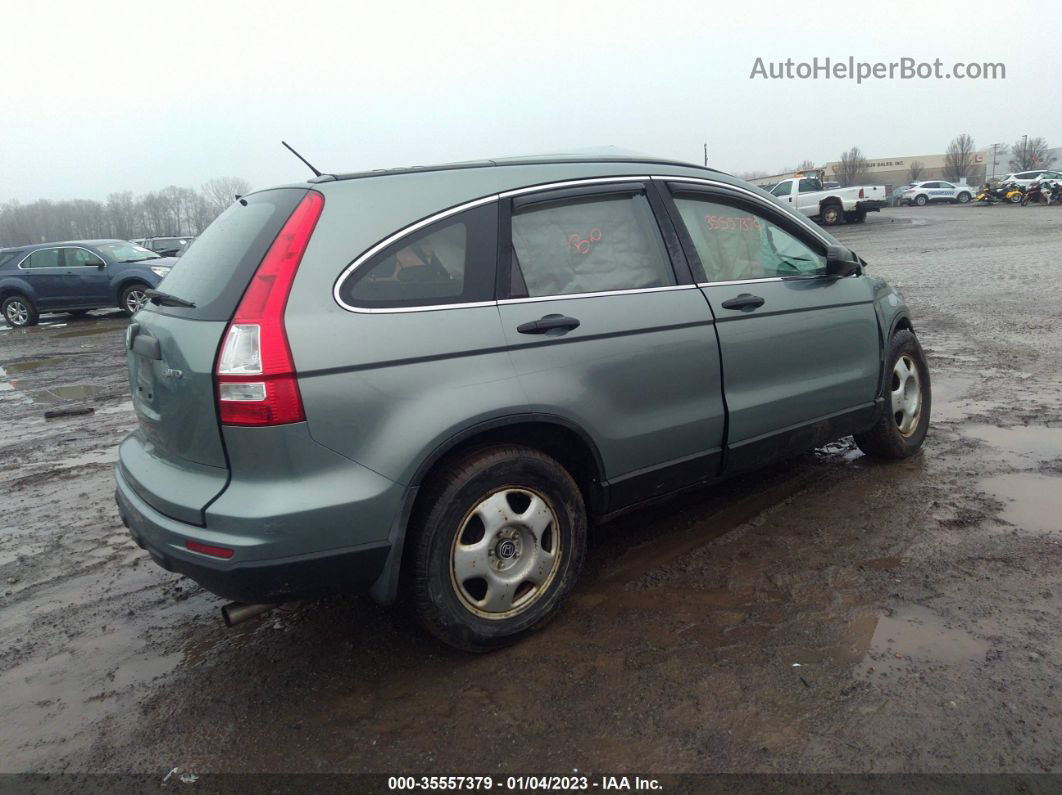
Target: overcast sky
104	96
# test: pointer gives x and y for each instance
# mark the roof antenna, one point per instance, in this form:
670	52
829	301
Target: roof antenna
316	173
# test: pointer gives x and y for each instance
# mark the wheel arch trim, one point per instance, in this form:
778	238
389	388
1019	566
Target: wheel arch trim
385	589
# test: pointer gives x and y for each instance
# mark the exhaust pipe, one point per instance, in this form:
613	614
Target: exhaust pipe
236	612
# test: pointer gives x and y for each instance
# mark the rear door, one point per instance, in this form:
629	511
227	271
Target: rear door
177	452
799	349
606	328
44	271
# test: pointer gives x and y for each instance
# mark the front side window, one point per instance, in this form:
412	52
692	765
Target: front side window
45	258
449	262
599	244
80	258
734	243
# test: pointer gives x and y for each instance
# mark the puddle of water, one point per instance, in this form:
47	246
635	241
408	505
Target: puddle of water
948	397
61	394
31	364
4	383
1030	501
911	634
1035	442
85	332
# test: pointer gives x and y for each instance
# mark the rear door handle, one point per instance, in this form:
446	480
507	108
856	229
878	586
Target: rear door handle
744	301
548	323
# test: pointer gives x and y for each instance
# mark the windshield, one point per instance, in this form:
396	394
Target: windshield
126	252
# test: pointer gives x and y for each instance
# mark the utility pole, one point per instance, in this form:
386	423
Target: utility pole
1025	151
706	154
994	148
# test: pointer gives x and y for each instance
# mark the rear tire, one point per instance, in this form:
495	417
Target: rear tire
832	214
512	514
19	311
133	298
901	428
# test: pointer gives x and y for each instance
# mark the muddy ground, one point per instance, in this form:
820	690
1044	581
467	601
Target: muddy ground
830	614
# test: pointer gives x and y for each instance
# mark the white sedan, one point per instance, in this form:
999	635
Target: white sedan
922	193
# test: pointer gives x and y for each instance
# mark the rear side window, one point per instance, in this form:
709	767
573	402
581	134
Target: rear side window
734	243
589	245
214	273
451	261
45	258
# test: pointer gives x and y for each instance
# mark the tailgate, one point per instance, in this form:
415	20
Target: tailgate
176	459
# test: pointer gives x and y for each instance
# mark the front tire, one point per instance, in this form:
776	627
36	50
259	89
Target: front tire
901	429
964	197
921	201
497	547
133	298
19	311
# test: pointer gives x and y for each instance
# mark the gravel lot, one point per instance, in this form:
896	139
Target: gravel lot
831	614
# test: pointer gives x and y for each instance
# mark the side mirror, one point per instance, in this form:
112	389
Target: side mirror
841	262
101	265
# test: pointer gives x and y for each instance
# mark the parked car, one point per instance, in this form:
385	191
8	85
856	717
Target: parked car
923	193
1024	179
165	246
435	379
76	276
830	206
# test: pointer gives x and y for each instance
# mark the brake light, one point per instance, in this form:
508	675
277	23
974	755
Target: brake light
255	374
861	196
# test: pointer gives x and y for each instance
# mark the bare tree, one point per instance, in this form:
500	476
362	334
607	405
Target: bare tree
1030	153
805	165
959	160
915	171
222	191
852	170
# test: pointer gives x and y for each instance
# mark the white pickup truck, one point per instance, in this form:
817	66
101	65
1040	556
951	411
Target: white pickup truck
833	206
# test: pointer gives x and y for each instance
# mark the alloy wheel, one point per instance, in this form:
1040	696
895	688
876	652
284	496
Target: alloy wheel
17	313
135	300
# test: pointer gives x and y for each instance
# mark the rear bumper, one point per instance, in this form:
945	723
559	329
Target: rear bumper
255	580
871	205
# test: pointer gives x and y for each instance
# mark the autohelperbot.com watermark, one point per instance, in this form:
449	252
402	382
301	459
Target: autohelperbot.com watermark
862	71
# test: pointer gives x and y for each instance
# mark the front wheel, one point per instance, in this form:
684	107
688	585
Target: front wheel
19	311
133	298
901	428
964	197
921	201
496	548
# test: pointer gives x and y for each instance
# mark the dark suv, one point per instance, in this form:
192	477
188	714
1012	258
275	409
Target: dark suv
434	379
76	276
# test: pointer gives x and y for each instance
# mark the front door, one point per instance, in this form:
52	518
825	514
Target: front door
801	350
604	330
86	274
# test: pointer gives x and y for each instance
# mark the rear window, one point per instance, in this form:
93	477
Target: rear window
215	271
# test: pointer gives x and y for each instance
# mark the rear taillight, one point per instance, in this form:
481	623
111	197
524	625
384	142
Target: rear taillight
255	375
861	195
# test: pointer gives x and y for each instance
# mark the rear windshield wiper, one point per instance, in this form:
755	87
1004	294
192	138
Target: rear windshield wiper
165	299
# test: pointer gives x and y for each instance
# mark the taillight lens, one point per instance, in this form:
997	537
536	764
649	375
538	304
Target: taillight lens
255	374
861	196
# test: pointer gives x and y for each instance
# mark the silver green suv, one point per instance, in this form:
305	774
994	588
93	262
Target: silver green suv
432	380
